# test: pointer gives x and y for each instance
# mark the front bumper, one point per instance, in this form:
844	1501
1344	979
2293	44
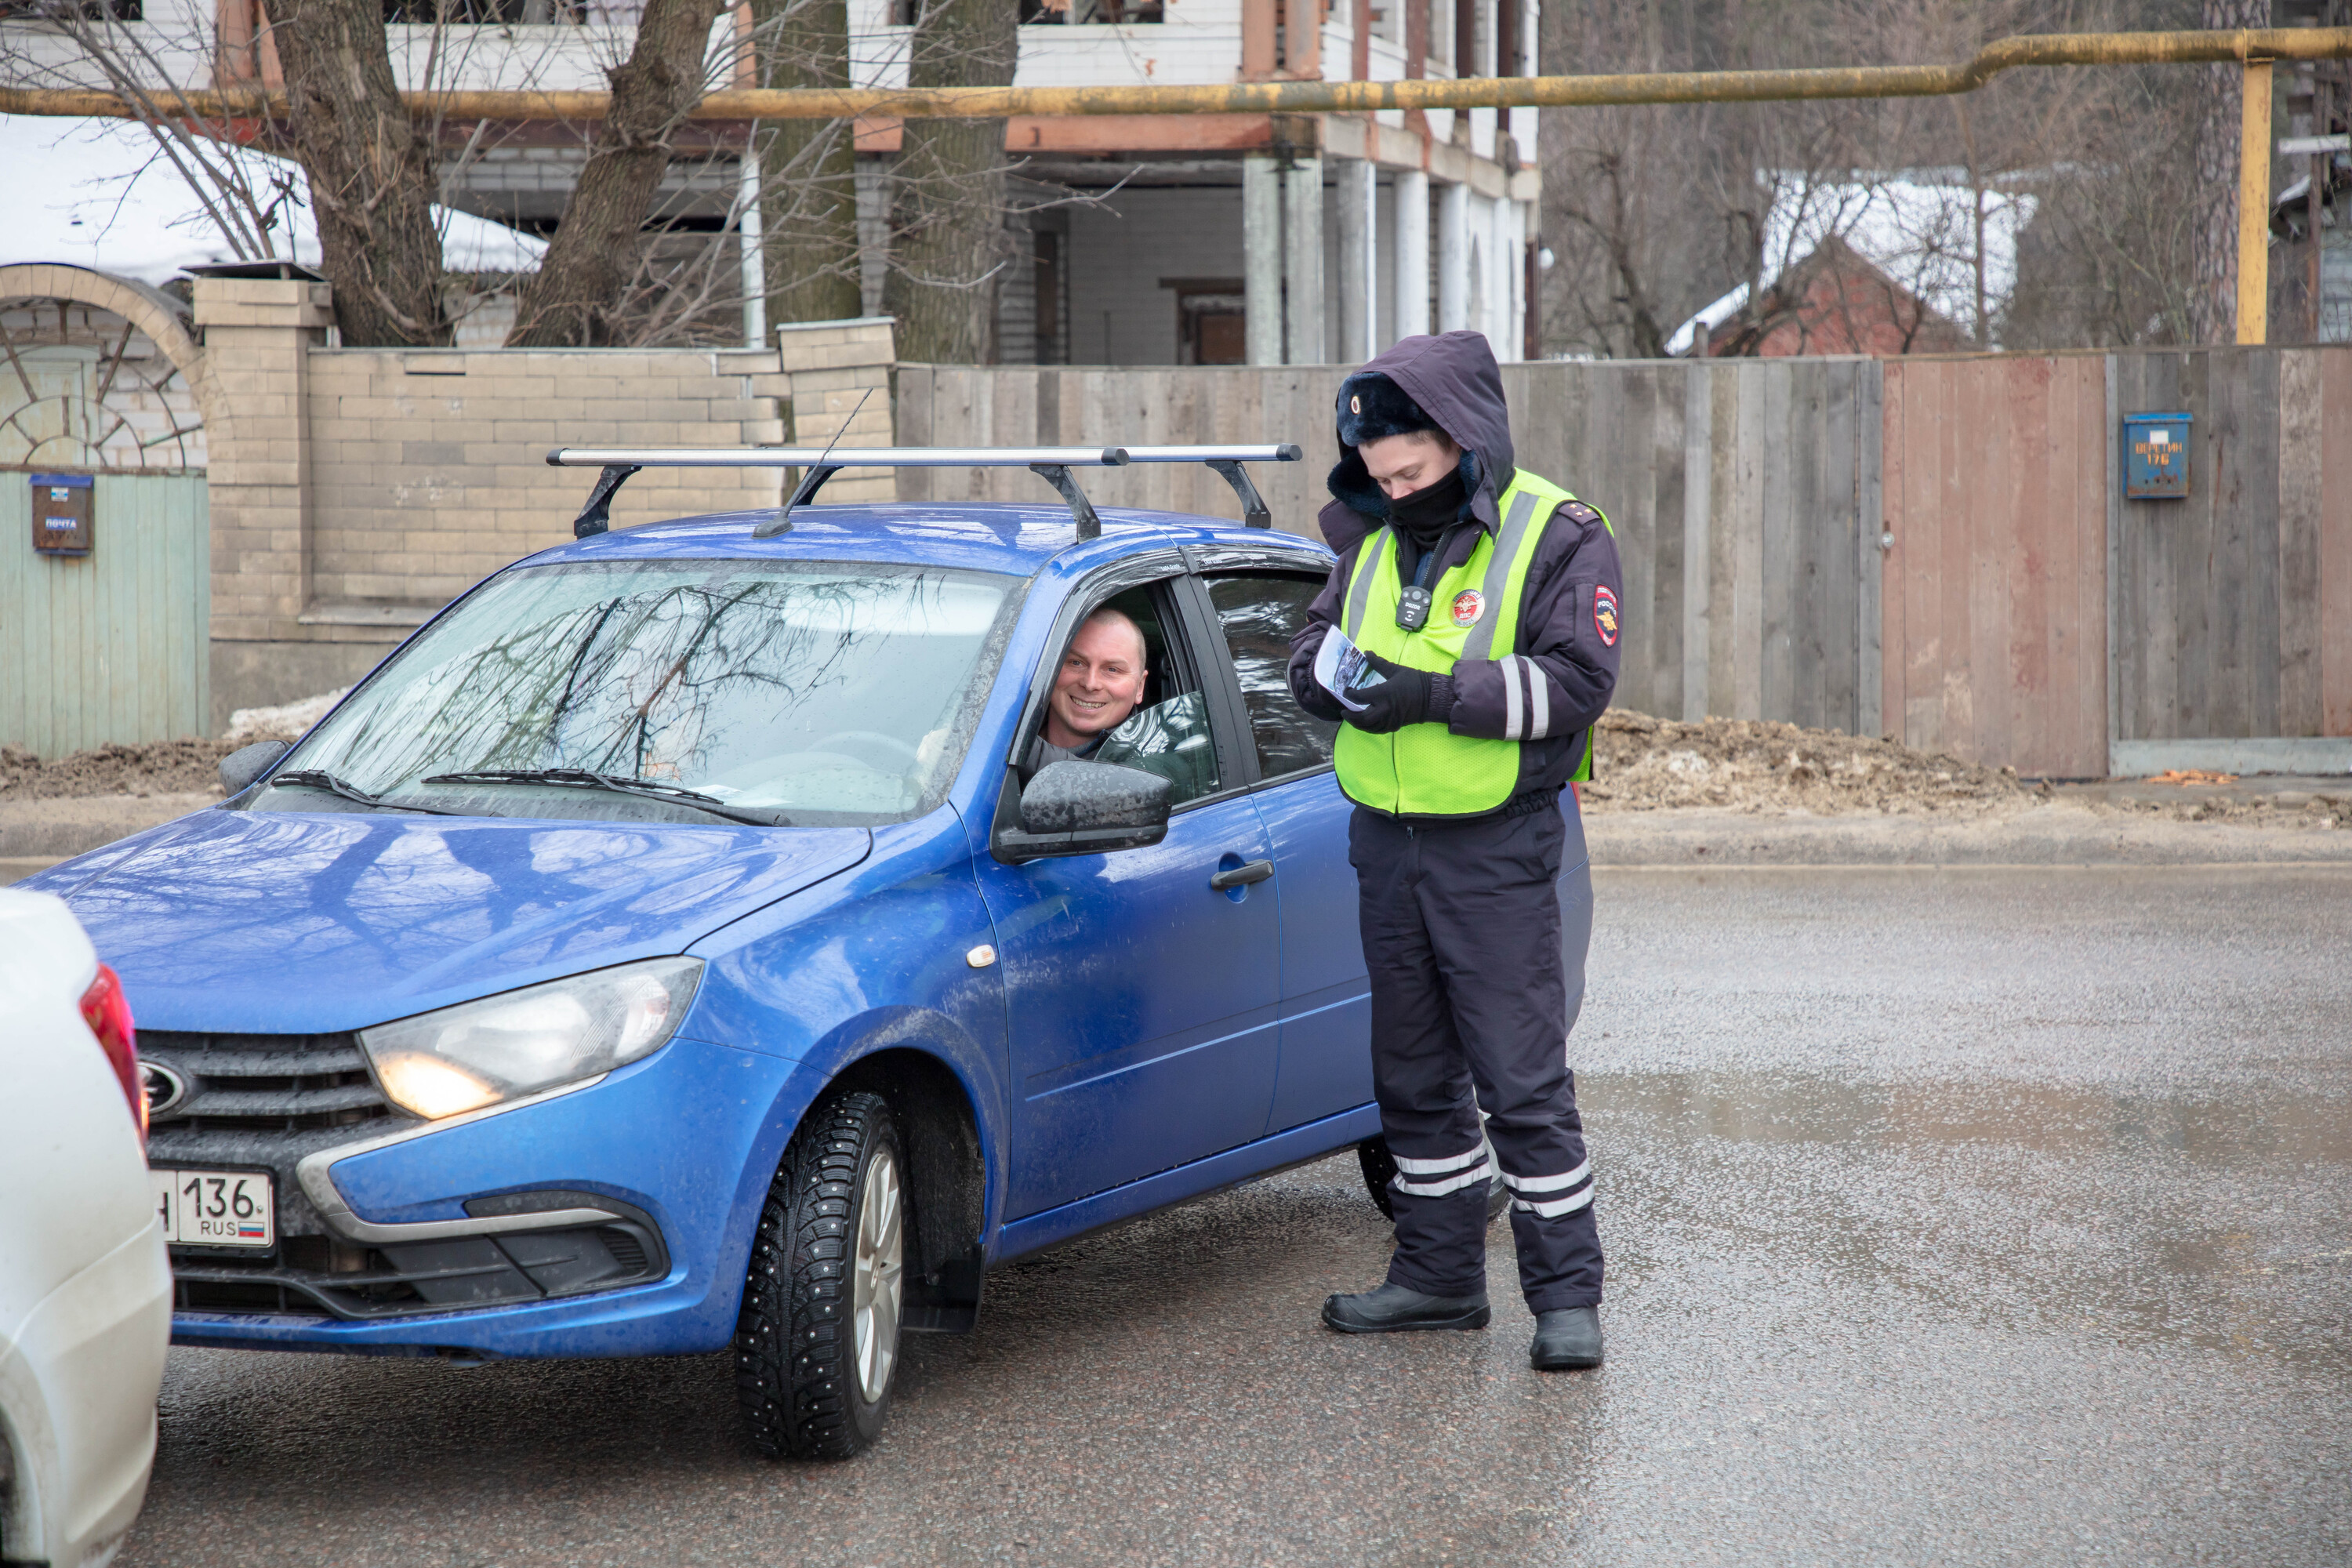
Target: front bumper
606	1220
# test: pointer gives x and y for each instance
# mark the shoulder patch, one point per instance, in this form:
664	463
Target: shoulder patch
1579	512
1604	615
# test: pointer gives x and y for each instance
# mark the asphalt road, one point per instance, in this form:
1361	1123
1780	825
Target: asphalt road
1956	1217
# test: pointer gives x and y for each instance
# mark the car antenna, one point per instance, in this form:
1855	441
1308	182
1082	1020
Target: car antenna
817	476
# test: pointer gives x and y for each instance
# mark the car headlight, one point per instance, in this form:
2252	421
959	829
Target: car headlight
479	1053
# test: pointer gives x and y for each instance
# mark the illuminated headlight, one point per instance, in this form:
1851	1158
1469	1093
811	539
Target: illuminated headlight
501	1048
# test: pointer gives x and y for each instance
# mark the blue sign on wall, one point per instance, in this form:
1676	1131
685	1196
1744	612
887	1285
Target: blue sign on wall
2156	456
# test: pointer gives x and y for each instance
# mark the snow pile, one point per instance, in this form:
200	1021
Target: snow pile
289	722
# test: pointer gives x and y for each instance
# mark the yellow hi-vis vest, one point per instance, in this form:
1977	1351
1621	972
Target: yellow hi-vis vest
1426	770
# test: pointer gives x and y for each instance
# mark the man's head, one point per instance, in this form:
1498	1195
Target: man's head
1101	680
1402	446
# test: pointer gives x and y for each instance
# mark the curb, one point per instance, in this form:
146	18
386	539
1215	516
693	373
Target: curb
2051	836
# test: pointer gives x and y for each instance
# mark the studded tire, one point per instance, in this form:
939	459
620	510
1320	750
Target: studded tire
796	1366
1380	1166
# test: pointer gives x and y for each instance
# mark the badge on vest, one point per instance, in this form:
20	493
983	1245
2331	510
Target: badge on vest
1468	605
1604	615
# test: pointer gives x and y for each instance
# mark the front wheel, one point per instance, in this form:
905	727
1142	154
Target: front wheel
817	1341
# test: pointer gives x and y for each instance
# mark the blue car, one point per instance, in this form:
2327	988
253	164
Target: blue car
666	950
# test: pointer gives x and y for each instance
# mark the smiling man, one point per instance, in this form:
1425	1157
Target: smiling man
1100	682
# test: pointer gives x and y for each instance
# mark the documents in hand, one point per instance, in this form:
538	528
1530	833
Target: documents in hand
1340	668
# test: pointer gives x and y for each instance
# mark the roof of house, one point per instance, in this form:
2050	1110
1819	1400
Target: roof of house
101	194
1914	227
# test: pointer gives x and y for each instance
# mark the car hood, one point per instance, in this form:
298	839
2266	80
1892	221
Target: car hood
282	922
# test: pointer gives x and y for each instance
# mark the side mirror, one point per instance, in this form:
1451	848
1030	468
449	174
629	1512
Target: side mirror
1087	808
247	763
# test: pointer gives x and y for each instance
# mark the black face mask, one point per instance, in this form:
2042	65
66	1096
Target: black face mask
1429	511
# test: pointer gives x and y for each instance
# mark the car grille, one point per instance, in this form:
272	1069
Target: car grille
314	1277
264	1083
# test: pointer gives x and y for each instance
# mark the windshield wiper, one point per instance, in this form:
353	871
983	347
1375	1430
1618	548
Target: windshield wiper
646	789
319	778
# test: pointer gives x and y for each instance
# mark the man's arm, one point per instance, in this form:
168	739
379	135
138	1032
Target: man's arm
1308	641
1571	628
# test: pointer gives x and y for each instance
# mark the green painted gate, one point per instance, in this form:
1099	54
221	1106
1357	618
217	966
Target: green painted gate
115	645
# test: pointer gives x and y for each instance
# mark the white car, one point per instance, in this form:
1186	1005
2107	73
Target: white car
85	1287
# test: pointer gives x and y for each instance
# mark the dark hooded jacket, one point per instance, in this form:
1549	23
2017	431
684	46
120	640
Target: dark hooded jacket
1563	641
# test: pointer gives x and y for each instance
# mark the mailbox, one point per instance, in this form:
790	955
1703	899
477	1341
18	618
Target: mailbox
65	514
2156	456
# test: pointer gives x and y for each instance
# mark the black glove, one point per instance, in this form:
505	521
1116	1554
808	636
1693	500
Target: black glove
1403	697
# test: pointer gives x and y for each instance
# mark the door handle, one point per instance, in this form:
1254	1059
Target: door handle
1242	876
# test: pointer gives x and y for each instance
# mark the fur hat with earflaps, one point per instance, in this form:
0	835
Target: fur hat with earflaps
1371	408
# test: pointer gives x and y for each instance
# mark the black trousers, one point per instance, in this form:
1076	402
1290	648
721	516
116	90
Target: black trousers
1477	972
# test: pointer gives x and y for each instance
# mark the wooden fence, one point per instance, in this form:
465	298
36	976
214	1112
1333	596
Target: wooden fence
1937	548
1736	490
109	646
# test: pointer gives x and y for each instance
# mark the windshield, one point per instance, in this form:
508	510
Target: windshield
817	694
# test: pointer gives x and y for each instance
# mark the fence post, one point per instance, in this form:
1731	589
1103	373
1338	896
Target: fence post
2114	494
1870	520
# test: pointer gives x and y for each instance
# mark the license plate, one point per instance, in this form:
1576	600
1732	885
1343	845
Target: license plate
217	1208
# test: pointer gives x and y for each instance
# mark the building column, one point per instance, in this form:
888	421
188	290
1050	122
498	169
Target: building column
1412	254
1302	254
1262	260
1520	280
836	377
259	334
1453	258
1359	241
1502	266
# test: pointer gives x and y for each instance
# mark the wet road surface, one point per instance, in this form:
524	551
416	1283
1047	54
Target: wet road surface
1981	1216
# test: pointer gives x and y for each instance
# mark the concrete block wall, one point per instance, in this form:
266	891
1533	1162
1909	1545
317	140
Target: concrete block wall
429	468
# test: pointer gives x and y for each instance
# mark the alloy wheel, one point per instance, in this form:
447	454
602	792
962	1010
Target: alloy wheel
877	1275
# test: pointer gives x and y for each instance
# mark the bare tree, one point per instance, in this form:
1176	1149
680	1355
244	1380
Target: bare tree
570	300
947	223
810	233
372	173
1655	212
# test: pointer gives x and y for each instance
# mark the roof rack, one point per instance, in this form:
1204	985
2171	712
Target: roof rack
1052	464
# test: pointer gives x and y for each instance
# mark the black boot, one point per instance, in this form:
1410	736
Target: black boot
1567	1339
1393	1310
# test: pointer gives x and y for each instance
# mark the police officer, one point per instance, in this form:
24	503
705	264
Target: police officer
1486	599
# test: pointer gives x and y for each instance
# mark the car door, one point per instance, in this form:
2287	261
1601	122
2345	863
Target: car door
1141	1001
1327	1064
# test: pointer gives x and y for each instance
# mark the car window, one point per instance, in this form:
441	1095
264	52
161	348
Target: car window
802	692
1167	731
1258	616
